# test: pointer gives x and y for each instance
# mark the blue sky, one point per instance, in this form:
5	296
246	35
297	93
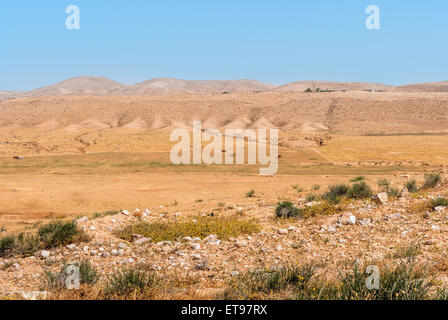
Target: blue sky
273	41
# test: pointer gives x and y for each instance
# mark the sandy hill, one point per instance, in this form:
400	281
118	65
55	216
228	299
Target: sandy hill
169	85
424	87
77	86
301	86
9	94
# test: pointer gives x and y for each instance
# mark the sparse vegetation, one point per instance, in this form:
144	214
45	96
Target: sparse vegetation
287	209
129	281
87	275
360	190
48	236
326	208
407	252
310	197
223	227
393	192
316	187
358	178
383	184
439	201
336	192
97	215
250	194
405	281
411	185
431	180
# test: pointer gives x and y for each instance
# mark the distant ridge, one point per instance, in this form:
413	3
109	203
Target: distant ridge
301	86
77	86
441	86
102	86
171	85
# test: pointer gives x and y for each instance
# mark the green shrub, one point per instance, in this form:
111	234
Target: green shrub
336	192
383	184
393	192
432	180
287	209
48	236
310	197
127	281
250	194
358	178
359	190
57	281
316	187
254	284
411	185
59	233
439	201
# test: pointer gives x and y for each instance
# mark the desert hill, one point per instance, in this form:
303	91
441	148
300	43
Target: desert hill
9	94
58	124
169	85
77	86
301	86
424	87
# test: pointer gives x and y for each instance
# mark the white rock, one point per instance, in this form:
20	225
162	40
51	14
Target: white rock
210	238
380	198
92	228
82	219
122	245
35	295
142	240
45	253
196	246
439	208
125	212
331	229
282	231
435	227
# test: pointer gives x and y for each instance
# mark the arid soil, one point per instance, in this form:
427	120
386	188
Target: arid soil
87	154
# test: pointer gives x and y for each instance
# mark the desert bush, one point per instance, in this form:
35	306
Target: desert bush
60	233
432	180
316	187
124	282
360	190
97	215
404	281
287	209
358	178
335	192
408	251
383	184
411	185
255	284
48	236
439	201
56	281
223	227
393	192
250	194
310	197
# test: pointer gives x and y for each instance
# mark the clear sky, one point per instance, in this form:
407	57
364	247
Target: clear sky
275	41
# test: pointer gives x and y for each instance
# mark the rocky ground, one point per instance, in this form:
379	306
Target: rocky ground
368	231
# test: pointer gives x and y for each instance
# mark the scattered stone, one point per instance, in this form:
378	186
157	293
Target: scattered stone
45	254
34	295
435	227
122	245
439	208
81	220
126	212
282	231
92	228
404	193
380	198
331	229
142	240
196	246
